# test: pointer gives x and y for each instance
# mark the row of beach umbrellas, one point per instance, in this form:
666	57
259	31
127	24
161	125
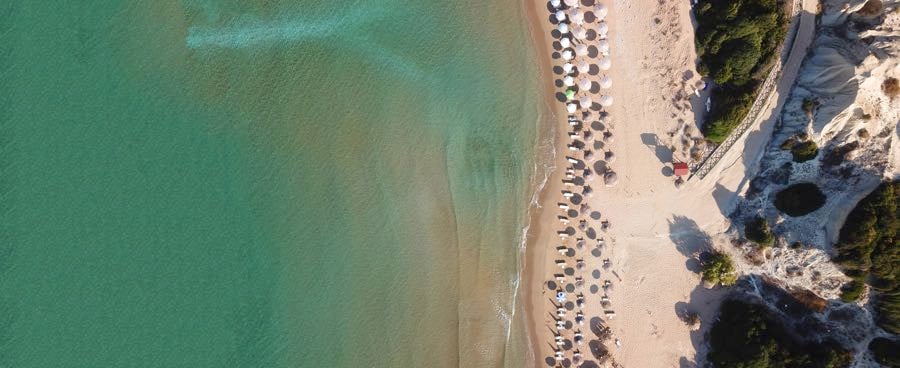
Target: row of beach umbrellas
599	9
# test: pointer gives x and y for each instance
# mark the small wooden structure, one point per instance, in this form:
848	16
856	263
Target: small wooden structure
681	168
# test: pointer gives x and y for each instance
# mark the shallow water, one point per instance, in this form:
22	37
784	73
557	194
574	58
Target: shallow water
263	183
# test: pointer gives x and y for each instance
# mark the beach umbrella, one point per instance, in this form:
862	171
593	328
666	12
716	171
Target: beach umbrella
560	15
579	32
572	3
567	67
605	82
555	3
603	46
565	42
571	108
581	50
570	94
600	10
583	67
606	101
609	157
607	137
610	179
584	84
602	29
605	63
569	81
585	102
567	55
577	16
563	28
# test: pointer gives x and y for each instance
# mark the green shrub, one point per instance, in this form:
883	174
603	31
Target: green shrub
757	231
885	351
748	336
804	151
736	42
719	270
852	290
867	251
799	199
809	106
788	143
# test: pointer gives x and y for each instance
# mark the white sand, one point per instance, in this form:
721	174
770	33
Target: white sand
655	227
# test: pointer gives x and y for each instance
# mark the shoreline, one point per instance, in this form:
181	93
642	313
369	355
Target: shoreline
552	121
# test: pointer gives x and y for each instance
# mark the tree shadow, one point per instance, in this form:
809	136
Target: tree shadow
663	153
689	240
704	304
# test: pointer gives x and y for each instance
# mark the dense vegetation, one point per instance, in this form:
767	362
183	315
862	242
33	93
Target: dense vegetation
757	231
799	199
747	336
867	250
886	351
804	151
719	270
736	42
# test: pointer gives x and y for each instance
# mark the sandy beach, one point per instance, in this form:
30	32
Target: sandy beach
655	228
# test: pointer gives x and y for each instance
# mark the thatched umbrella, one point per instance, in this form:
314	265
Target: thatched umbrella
600	10
606	82
605	63
603	46
602	29
584	84
606	101
583	66
610	179
581	50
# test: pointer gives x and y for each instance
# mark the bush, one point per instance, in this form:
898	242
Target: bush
736	43
885	351
867	251
748	336
804	151
891	87
719	270
799	199
809	106
757	231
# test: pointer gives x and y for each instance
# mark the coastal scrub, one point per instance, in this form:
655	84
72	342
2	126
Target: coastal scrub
757	230
799	199
719	270
737	43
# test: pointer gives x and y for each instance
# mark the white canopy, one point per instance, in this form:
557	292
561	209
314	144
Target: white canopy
569	81
585	102
567	67
565	42
560	15
600	10
581	50
583	67
602	29
603	46
584	84
563	28
579	32
573	3
571	108
555	3
567	55
606	101
605	82
605	63
577	16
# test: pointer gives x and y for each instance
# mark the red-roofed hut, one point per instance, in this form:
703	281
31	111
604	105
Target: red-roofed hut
681	168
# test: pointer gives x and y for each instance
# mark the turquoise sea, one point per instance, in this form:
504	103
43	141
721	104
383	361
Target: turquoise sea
224	183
